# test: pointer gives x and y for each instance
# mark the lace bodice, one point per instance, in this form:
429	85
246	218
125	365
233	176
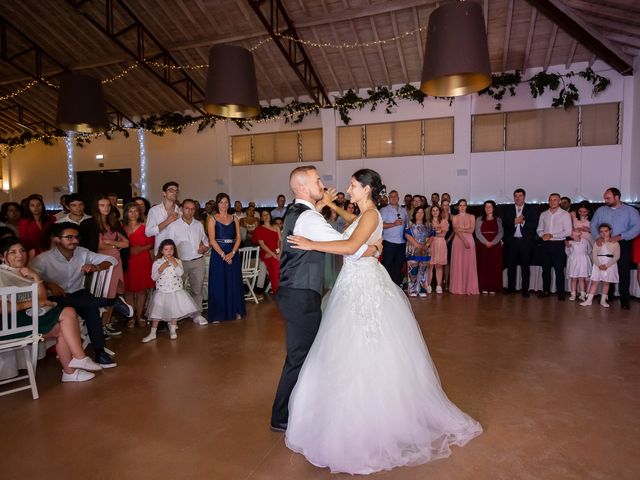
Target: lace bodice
375	235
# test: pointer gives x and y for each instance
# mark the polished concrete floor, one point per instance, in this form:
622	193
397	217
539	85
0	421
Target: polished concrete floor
556	387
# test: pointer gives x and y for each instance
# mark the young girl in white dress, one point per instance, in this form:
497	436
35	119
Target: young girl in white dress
170	301
605	265
368	397
578	251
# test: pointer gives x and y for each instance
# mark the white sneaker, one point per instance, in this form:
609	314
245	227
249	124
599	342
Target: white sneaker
77	376
173	335
572	297
604	303
423	294
429	289
200	320
85	364
149	338
413	294
438	289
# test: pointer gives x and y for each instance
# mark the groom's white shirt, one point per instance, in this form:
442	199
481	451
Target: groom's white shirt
312	225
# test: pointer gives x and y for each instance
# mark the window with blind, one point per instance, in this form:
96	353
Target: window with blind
438	136
600	124
546	128
396	139
487	133
280	147
350	143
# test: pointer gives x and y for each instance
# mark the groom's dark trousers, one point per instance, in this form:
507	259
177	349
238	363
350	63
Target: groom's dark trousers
301	311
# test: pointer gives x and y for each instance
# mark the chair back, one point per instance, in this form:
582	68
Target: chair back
100	282
250	260
8	302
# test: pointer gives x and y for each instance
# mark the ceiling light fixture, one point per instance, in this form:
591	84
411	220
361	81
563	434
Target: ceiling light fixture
81	105
456	58
232	89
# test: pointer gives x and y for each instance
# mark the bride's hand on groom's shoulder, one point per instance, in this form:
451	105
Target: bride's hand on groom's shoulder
299	242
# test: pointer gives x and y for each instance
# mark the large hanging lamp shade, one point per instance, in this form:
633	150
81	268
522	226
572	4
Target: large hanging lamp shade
81	105
456	58
232	90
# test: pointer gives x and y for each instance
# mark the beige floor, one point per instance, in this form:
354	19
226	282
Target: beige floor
556	387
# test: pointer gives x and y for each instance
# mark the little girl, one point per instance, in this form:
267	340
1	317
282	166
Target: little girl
170	301
605	266
578	251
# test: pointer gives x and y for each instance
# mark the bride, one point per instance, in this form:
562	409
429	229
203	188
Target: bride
368	397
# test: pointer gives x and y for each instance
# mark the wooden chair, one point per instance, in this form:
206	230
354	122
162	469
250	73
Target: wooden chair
29	337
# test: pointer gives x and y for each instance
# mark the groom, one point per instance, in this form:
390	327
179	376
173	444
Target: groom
301	281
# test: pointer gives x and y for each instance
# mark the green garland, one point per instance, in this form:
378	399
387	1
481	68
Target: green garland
295	112
540	82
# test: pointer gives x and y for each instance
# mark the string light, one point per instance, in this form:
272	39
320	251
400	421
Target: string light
123	73
343	45
19	91
71	181
143	164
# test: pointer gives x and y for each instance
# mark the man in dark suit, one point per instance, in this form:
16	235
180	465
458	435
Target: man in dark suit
520	221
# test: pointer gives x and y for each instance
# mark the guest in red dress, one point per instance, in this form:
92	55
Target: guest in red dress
267	236
35	226
489	234
137	276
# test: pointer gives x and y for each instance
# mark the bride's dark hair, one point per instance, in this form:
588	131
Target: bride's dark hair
371	178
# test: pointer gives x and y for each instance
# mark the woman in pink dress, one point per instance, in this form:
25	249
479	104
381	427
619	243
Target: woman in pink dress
464	273
438	249
111	239
137	276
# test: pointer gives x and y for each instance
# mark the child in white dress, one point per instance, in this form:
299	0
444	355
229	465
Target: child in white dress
605	265
578	251
170	301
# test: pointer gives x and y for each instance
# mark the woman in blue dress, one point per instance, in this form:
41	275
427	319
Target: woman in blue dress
226	293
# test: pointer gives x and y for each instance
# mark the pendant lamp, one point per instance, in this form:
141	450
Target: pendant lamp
456	58
232	90
81	104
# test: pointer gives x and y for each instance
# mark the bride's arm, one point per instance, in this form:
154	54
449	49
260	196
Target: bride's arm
358	238
329	195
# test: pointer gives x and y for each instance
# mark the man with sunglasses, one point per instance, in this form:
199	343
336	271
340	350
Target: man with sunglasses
63	269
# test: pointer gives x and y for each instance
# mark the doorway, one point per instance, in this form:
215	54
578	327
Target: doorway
100	182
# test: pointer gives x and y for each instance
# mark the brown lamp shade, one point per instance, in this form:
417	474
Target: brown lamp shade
81	104
232	90
456	58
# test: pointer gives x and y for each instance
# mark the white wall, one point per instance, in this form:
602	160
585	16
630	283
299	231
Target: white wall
200	162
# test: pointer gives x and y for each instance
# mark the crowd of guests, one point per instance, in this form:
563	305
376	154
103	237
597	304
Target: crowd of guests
445	246
157	256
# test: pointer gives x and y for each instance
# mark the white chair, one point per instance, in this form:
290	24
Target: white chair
98	286
250	261
28	343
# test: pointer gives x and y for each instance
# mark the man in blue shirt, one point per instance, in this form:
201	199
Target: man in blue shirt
394	222
625	224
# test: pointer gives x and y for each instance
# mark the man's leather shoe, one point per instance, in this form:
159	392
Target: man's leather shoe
280	427
624	306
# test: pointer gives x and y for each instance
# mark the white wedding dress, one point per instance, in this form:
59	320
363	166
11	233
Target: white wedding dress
368	397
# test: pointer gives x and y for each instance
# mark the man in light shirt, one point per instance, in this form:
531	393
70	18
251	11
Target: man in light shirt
87	227
164	214
625	226
554	227
281	209
394	220
192	243
63	269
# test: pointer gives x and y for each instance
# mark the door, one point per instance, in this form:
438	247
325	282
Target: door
100	182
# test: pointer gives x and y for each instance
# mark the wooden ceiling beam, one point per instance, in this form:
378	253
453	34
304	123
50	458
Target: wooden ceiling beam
323	53
532	28
552	42
383	61
507	36
398	42
572	52
570	21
